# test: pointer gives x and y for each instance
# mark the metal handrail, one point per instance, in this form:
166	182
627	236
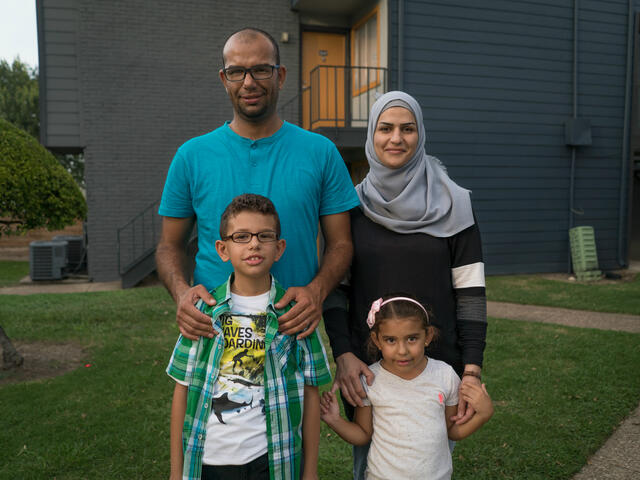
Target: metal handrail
351	89
341	96
138	237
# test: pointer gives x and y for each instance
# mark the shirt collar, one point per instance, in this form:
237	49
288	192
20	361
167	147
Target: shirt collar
260	141
273	294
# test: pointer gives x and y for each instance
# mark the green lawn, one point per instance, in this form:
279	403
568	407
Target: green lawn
615	297
11	272
558	394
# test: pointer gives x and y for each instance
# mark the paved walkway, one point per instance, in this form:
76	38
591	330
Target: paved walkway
617	459
564	316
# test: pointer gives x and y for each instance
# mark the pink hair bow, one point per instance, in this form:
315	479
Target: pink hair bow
375	308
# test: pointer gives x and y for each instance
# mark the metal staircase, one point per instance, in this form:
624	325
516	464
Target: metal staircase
137	240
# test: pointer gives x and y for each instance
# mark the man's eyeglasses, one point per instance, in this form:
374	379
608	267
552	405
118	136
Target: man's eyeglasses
266	236
258	72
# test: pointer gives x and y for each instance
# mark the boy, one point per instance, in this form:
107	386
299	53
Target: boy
242	397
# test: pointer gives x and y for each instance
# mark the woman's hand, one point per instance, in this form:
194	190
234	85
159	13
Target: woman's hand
348	371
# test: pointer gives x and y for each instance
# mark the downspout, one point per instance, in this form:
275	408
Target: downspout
625	140
575	115
400	44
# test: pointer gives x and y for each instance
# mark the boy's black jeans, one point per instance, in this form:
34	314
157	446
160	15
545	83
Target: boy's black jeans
257	469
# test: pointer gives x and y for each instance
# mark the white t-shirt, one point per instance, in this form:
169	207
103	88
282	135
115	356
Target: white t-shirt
410	439
237	427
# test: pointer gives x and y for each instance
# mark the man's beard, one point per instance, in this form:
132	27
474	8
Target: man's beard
256	114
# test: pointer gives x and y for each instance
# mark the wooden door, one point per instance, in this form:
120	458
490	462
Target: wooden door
323	89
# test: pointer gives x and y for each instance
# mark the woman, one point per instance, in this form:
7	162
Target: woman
414	232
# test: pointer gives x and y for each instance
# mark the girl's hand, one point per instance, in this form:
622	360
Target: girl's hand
329	408
478	397
465	410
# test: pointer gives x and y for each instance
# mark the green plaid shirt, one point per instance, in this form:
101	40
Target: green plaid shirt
289	364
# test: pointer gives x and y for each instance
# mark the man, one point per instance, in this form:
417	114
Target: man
301	172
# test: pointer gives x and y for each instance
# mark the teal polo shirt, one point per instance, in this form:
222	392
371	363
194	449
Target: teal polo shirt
300	171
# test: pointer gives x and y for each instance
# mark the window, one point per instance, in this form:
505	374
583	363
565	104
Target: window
365	59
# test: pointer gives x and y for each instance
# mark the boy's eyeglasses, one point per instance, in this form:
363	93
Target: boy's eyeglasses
258	72
245	237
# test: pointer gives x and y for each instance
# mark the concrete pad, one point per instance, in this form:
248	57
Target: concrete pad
619	457
564	316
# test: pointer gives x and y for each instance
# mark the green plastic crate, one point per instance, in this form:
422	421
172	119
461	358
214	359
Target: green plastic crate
583	249
589	276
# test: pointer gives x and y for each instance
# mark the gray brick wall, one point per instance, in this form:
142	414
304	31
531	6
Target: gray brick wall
149	82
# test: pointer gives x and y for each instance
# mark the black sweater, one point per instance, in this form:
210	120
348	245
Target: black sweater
388	262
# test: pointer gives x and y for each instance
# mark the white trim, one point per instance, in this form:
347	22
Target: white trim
467	276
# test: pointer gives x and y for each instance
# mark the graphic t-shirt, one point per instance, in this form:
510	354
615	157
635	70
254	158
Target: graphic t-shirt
237	428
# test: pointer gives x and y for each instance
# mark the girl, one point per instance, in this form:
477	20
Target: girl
408	415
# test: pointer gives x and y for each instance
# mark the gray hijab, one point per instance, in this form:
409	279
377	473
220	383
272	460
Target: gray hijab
417	197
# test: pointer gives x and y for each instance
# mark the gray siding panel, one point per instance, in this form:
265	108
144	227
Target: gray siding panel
64	25
62	130
70	96
55	37
57	83
62	49
495	84
58	25
61	107
60	5
60	71
67	119
61	60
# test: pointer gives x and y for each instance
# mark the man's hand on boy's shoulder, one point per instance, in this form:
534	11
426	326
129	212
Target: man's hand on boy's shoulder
191	321
305	315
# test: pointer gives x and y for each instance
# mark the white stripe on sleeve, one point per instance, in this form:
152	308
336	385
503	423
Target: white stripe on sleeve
467	276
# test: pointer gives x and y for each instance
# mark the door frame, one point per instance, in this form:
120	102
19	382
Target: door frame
321	29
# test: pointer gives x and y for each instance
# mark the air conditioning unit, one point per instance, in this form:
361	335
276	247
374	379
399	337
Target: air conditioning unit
47	260
75	252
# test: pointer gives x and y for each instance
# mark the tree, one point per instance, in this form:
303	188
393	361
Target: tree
19	96
74	164
35	190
